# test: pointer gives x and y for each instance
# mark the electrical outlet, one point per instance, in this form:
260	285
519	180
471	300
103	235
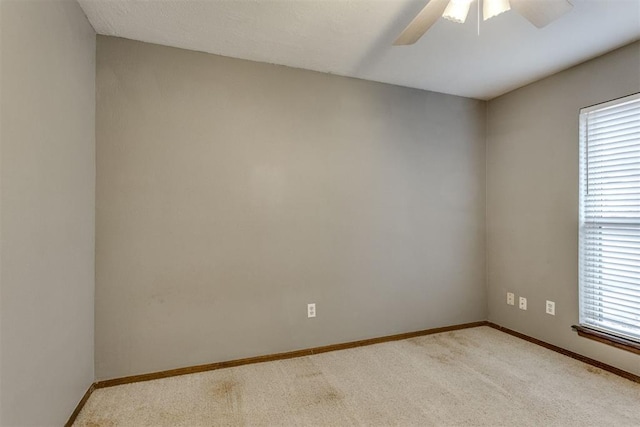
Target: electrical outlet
311	310
523	303
551	308
511	298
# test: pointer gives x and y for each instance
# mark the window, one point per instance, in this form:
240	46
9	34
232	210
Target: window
609	251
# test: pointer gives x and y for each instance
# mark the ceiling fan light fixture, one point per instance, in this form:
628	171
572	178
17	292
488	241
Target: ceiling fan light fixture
457	11
491	8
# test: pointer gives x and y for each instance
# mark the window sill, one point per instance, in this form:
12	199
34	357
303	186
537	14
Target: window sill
603	337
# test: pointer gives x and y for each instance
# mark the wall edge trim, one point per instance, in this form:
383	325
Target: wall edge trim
279	356
612	369
80	405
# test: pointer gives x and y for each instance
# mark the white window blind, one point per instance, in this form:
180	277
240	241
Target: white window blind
609	258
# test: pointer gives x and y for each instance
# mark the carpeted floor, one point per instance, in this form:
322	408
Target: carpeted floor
477	376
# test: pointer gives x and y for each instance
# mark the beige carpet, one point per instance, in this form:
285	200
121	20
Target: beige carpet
475	376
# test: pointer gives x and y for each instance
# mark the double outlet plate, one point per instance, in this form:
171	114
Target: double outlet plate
311	310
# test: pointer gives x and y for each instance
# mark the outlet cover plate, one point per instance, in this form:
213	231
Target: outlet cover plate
311	310
551	308
523	303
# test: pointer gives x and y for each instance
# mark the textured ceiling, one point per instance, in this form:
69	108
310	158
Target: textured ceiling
354	38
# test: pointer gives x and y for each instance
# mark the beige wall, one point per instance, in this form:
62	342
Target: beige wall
532	199
230	194
47	171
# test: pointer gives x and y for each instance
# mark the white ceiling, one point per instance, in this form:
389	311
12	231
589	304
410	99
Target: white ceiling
354	38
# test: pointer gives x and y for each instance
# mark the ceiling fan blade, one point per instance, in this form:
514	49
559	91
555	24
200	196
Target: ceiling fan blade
541	12
422	22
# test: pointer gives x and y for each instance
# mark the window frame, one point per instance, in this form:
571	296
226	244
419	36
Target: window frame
585	328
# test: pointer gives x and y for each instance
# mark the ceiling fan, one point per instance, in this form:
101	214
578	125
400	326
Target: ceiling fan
539	12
